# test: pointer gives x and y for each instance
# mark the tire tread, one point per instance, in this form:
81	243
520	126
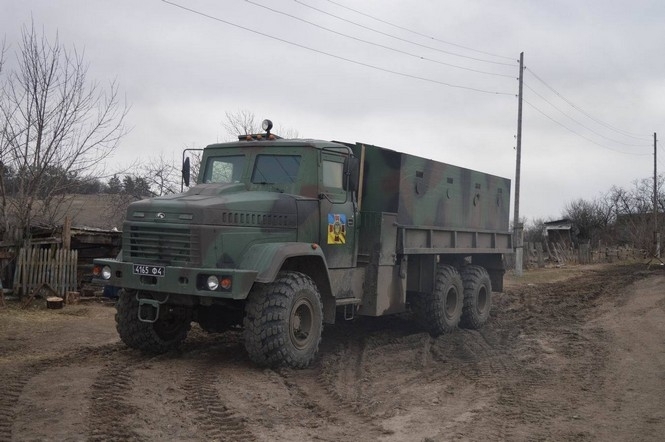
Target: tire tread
266	327
474	277
141	335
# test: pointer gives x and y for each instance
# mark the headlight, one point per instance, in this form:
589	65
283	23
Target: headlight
213	282
106	272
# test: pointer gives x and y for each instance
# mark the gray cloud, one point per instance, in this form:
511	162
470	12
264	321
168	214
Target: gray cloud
182	71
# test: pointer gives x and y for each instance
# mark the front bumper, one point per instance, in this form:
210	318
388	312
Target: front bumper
178	280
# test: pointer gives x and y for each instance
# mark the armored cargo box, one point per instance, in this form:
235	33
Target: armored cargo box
440	208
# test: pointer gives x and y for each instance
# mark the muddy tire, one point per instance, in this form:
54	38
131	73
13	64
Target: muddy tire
477	296
283	321
439	312
158	337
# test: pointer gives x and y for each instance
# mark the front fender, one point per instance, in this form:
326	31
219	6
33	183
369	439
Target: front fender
267	259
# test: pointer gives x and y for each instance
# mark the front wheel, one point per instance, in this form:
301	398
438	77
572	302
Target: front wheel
283	321
166	333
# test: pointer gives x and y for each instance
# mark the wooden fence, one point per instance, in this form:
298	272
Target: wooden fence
36	266
540	254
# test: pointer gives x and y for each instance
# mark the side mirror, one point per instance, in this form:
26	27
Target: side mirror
351	174
185	171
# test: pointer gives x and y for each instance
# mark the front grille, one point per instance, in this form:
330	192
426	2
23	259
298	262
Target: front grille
161	245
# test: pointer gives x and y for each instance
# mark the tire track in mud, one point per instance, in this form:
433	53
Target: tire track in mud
213	417
214	420
409	354
482	359
312	390
10	389
355	373
15	376
523	377
341	374
406	360
475	354
333	391
109	410
551	347
514	362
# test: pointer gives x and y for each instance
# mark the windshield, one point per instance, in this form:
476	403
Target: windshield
224	170
276	169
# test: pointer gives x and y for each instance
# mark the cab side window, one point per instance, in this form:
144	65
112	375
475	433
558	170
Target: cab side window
224	170
333	174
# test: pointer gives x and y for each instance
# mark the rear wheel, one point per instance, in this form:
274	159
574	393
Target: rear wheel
166	333
477	296
283	321
439	312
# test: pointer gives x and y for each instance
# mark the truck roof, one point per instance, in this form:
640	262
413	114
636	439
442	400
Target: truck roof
262	142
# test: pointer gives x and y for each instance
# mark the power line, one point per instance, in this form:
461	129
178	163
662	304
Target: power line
402	39
580	135
582	111
338	57
579	123
622	132
418	33
276	11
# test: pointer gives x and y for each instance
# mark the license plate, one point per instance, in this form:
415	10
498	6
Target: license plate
148	270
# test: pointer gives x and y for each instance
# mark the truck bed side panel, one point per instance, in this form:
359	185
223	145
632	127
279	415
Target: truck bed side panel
429	193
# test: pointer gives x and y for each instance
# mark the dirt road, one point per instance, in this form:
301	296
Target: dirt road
580	358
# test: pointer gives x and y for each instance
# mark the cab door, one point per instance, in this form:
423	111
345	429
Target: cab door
338	213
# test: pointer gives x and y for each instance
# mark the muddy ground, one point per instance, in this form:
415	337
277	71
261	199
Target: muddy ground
576	353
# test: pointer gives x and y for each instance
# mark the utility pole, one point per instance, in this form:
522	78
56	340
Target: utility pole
656	234
517	225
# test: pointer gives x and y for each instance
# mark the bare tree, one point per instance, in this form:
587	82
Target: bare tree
3	169
240	122
633	212
590	217
162	175
622	216
534	230
243	122
56	126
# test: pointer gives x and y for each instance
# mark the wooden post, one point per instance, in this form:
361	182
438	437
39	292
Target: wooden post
539	255
2	296
67	234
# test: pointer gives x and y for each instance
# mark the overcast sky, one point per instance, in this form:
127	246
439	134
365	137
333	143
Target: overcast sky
434	78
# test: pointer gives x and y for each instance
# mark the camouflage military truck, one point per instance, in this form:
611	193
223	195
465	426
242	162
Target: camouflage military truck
283	235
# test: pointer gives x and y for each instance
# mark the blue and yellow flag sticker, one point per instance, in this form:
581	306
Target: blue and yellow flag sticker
336	228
